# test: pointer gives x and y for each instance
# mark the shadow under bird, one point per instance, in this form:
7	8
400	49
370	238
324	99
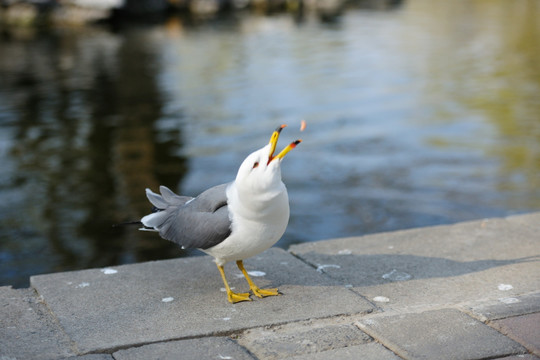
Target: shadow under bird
232	221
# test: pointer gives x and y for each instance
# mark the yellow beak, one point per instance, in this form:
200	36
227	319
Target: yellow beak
273	143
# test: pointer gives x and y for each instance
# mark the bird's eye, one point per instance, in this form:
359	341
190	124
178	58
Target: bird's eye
255	165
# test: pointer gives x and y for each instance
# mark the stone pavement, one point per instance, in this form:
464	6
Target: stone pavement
464	291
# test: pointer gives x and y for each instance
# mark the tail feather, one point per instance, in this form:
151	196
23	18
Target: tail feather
156	199
162	202
171	198
154	220
167	194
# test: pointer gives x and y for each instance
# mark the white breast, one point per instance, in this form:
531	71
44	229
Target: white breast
255	228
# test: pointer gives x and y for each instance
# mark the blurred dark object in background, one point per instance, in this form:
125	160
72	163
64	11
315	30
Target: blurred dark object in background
62	12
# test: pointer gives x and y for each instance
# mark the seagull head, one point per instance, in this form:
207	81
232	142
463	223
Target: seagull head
260	172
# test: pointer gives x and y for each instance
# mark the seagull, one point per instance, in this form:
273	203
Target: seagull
231	221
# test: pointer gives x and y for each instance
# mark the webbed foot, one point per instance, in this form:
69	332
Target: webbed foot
264	292
237	297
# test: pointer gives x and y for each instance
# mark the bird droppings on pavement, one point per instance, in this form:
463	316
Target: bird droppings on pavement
395	275
320	268
254	273
505	287
509	300
109	271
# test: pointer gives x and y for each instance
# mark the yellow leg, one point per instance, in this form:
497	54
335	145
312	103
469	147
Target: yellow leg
256	290
231	296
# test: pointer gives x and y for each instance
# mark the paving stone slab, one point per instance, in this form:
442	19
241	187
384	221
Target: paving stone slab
371	351
436	266
27	329
439	334
196	349
128	305
300	338
507	307
525	329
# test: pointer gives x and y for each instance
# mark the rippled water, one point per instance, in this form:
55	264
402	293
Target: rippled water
423	114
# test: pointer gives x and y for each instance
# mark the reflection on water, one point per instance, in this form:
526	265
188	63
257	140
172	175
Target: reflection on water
425	114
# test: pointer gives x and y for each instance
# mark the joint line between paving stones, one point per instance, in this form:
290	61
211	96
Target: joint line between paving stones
245	349
381	341
377	341
40	299
377	308
496	357
314	266
112	350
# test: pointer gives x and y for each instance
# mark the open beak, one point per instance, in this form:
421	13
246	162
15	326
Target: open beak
273	143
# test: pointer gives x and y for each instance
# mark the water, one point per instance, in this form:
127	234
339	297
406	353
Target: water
427	113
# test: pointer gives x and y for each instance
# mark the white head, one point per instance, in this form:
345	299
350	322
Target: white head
260	172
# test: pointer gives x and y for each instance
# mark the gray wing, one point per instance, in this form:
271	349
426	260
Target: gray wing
200	222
